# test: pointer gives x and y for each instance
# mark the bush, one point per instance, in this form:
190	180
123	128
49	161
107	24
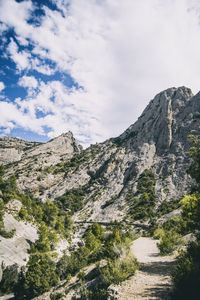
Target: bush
56	296
169	242
9	279
142	203
158	233
186	274
39	278
118	270
6	234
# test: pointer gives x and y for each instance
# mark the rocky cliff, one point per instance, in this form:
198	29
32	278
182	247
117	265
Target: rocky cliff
158	141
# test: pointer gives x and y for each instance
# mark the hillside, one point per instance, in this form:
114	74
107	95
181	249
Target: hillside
157	141
128	179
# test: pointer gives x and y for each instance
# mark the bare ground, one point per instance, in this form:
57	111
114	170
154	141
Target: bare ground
153	280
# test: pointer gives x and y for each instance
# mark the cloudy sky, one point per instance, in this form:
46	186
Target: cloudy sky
91	66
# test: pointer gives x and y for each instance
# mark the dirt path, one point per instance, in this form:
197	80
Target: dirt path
152	281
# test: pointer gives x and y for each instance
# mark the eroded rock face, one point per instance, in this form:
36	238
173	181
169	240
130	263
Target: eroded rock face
157	141
15	249
13	149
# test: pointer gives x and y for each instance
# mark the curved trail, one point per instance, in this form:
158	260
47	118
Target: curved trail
153	280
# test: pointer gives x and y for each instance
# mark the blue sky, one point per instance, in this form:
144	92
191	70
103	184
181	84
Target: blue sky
91	66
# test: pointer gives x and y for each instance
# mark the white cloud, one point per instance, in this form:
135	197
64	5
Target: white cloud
21	58
40	67
63	110
22	41
121	52
28	82
2	86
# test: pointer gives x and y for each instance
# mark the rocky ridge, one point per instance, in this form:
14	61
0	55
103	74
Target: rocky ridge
104	173
157	141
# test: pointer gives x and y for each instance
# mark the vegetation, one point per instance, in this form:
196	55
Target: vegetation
169	241
167	207
142	203
120	141
109	202
186	274
98	246
9	278
73	163
72	200
38	279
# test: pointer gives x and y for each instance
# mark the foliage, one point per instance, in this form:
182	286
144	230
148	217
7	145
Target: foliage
191	211
97	246
56	296
142	203
47	240
167	207
72	163
158	233
8	187
195	155
176	224
186	274
114	272
9	278
73	263
118	270
72	200
39	278
109	202
6	234
169	242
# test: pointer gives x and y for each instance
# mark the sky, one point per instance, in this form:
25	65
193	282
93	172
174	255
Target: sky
91	66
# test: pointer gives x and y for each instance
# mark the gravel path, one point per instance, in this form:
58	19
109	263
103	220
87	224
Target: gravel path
152	281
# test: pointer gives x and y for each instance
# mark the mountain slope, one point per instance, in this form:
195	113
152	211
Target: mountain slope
108	171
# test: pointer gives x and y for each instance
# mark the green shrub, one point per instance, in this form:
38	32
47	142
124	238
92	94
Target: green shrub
142	203
6	234
186	274
118	270
56	296
9	279
167	207
72	200
158	233
38	279
169	242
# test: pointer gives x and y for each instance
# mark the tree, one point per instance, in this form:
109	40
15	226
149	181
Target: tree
39	278
191	211
50	213
2	170
9	278
186	274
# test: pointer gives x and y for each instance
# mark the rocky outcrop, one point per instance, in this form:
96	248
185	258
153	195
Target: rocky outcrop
15	249
12	149
157	141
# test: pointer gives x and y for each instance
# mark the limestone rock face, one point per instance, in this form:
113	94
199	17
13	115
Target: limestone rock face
13	149
158	140
15	250
63	144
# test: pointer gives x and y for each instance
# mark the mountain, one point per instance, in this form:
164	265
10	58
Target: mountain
158	141
133	178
